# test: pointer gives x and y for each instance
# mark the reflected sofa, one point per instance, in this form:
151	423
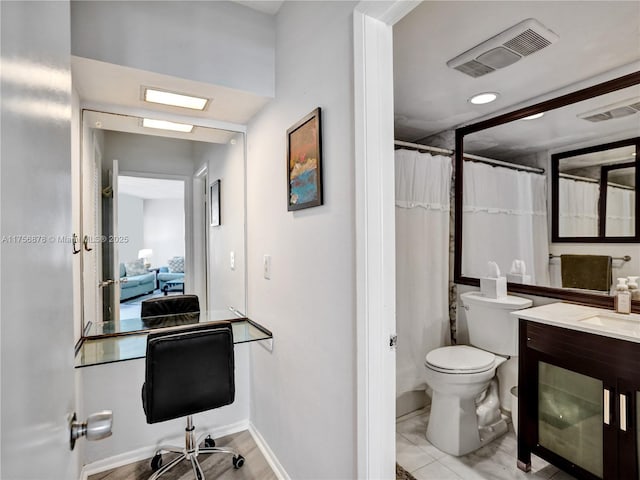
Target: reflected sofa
171	272
136	285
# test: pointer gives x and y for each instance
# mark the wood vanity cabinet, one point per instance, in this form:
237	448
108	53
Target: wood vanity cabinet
578	402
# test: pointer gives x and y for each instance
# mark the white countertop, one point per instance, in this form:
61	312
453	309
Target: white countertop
598	321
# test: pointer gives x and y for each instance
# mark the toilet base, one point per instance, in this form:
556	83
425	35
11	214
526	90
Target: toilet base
453	425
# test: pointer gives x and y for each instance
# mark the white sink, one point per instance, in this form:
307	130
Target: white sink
621	325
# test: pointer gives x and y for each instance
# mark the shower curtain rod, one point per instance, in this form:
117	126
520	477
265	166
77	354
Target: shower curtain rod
467	156
593	180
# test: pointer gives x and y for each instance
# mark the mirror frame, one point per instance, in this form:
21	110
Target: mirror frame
602	202
603	301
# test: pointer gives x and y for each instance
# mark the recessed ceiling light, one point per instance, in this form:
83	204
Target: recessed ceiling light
534	116
483	98
174	99
166	125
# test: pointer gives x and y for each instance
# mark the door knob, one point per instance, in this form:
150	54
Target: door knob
96	427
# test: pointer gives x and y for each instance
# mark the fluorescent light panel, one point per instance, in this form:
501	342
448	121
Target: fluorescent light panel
166	125
174	99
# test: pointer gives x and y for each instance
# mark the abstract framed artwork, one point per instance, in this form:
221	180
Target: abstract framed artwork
304	163
214	203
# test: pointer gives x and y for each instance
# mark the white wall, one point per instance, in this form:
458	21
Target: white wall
130	224
118	386
148	154
226	163
305	390
36	295
164	229
222	43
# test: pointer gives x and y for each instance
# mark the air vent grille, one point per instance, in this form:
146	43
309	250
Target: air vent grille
474	69
527	42
613	111
506	48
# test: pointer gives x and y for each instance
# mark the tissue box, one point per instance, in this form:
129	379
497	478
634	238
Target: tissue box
519	278
493	287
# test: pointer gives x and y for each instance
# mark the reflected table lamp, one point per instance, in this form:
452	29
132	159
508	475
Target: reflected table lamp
145	254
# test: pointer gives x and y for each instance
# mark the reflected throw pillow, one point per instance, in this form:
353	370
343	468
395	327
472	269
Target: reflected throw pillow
135	268
176	265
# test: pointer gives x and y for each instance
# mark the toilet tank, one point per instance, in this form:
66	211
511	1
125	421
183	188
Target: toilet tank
491	327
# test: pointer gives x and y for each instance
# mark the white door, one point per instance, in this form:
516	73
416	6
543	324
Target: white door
36	304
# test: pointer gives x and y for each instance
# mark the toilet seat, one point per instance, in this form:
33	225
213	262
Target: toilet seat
460	359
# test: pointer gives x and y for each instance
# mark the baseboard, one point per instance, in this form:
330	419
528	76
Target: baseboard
148	451
272	460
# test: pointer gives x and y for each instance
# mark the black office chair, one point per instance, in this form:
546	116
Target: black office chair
188	371
158	306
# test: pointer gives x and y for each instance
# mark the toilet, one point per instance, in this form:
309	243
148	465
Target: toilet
467	394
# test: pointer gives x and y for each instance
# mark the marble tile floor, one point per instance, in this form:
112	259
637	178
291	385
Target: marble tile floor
216	466
495	461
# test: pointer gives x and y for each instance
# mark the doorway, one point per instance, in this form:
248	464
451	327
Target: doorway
152	254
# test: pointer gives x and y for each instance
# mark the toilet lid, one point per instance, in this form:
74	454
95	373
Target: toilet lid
460	359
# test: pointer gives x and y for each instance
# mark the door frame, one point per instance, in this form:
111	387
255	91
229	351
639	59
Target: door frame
375	233
190	261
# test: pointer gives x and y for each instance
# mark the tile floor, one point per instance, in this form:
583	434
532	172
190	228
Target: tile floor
496	461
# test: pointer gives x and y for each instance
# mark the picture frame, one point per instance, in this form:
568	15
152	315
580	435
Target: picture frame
304	162
214	204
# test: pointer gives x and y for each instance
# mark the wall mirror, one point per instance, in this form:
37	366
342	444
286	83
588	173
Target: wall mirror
510	204
146	229
593	193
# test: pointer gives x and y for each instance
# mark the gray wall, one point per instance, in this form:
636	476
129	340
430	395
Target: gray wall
306	388
221	43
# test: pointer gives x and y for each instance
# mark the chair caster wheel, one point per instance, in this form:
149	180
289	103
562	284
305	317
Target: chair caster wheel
238	461
156	462
209	442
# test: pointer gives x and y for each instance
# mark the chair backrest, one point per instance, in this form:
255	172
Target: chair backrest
170	305
188	371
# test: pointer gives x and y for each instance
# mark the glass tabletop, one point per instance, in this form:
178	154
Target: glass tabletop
137	325
132	345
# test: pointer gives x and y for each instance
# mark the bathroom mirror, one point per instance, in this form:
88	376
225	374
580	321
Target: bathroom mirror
146	226
507	169
593	193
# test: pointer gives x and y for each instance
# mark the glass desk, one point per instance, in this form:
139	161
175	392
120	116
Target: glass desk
108	342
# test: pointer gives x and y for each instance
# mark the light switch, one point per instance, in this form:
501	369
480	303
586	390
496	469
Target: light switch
266	263
232	260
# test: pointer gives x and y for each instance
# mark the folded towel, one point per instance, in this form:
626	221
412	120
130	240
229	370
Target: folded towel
588	272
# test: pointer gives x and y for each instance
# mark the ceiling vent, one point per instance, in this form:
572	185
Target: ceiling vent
615	110
521	40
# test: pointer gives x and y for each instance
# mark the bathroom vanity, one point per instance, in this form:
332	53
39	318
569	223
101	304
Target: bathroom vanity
579	390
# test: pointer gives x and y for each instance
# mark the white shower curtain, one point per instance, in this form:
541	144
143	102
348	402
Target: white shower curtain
621	220
578	208
504	218
423	183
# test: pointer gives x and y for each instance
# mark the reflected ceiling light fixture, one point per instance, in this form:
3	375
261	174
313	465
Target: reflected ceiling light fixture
534	116
173	99
166	125
482	98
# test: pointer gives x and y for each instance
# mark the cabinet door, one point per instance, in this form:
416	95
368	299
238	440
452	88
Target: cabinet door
570	416
628	411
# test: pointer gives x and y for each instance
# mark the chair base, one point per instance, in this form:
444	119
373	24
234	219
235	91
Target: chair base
190	453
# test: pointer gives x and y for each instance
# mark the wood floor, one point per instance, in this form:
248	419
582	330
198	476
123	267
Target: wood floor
216	466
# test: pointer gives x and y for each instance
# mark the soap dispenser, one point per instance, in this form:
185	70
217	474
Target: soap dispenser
623	297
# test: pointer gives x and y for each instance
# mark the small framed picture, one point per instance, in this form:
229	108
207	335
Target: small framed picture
214	203
304	163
